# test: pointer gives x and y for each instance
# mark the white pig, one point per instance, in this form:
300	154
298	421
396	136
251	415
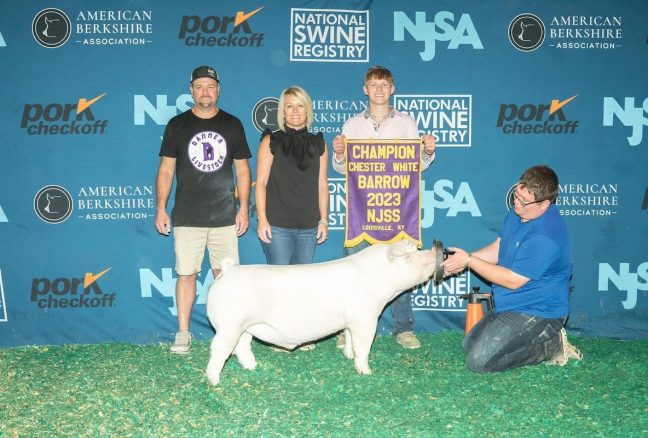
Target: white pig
295	304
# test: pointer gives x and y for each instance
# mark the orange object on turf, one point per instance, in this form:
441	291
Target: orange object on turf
474	309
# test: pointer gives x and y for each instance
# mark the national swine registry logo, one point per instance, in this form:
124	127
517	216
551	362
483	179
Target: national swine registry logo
447	117
444	297
526	32
207	151
53	204
51	28
329	35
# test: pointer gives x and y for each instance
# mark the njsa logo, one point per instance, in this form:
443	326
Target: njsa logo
165	285
444	27
161	111
630	115
624	280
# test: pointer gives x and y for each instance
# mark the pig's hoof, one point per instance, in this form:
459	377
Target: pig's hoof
248	364
364	370
214	378
348	353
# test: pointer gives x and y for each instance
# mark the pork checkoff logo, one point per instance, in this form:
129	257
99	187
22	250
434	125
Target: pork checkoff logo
75	292
221	30
329	35
67	118
536	118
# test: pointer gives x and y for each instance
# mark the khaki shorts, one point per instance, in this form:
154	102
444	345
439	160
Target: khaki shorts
190	243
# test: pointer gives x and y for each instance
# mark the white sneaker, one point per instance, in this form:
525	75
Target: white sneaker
182	342
567	351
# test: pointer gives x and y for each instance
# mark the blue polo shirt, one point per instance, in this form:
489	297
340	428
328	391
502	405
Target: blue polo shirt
540	250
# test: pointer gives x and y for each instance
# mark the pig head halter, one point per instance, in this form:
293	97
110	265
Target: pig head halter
441	254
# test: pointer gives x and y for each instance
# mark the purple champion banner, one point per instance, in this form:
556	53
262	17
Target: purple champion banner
383	191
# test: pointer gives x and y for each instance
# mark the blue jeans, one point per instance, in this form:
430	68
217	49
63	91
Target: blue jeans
290	246
401	307
501	341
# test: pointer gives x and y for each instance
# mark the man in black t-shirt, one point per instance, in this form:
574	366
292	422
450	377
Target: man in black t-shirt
200	146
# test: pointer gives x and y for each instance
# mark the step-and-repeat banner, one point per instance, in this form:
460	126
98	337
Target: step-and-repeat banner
88	87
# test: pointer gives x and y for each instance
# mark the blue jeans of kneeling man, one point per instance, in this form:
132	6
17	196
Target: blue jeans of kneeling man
401	307
501	341
290	246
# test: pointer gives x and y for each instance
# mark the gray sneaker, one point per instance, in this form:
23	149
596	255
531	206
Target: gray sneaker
567	351
182	342
408	340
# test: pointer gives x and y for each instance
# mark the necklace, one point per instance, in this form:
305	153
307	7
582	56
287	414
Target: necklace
374	120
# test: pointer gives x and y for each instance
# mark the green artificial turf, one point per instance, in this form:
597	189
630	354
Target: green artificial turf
128	390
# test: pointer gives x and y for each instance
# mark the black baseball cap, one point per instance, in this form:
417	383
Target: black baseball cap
204	71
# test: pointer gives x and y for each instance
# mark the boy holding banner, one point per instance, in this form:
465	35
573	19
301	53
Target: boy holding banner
381	121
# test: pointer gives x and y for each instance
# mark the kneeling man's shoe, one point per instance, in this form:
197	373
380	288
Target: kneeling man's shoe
567	351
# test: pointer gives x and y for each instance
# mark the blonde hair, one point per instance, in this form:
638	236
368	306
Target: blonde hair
378	72
302	97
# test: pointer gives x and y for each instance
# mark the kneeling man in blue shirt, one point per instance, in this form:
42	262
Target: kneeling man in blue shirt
529	266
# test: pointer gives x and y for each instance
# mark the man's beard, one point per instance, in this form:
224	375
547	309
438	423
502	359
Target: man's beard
204	104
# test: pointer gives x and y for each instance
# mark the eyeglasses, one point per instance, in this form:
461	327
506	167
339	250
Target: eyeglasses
524	203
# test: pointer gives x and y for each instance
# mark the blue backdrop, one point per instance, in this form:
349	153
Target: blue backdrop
88	86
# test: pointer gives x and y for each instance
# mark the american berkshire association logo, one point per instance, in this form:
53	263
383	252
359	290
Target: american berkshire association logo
264	114
526	32
53	204
51	28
